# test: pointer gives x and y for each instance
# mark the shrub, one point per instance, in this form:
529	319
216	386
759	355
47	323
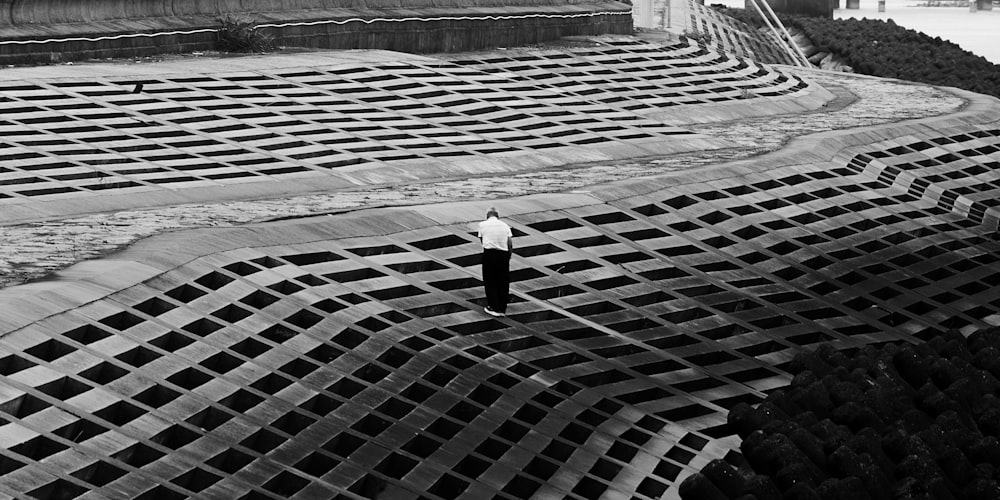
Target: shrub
699	37
904	421
239	33
885	49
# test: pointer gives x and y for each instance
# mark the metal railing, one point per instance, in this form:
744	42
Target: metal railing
787	43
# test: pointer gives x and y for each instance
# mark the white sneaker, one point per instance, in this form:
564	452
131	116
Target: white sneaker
491	312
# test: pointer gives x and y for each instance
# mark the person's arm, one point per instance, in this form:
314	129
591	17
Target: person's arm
510	243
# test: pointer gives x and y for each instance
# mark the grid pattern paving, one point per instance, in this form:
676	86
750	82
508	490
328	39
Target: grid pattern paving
958	172
642	76
364	366
79	137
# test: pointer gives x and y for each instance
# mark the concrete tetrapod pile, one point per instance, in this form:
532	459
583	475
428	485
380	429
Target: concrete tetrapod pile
896	421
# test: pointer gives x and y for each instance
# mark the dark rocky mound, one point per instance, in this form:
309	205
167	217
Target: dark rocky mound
913	422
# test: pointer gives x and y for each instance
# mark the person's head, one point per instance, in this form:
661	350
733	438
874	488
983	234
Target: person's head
492	212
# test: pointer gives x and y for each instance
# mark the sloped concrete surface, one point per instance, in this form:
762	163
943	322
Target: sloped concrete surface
347	356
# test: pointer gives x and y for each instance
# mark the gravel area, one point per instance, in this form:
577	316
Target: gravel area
31	251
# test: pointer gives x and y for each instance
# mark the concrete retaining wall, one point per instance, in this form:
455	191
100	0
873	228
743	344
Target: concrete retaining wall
46	31
47	12
450	34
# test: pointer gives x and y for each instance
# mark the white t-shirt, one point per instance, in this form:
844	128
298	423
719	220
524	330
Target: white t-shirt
494	234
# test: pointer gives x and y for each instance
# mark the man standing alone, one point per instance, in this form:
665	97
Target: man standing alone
498	243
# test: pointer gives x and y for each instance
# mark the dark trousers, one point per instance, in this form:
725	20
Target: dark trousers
496	278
